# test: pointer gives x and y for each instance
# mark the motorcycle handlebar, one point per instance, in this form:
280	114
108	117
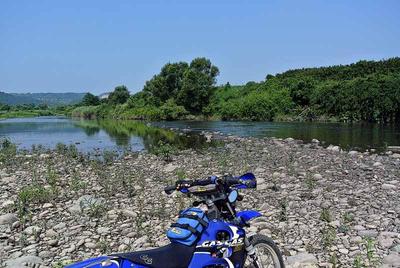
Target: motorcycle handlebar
169	189
226	180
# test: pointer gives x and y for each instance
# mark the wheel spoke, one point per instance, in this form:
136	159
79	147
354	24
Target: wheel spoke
266	257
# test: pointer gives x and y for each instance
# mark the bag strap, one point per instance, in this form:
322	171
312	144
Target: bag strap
187	227
194	217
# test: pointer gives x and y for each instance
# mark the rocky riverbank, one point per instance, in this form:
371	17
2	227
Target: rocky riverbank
324	207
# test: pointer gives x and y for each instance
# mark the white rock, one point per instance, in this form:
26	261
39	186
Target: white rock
60	226
317	176
377	164
7	203
103	230
333	148
8	218
129	213
84	202
276	175
302	260
32	230
391	260
352	153
387	186
18	262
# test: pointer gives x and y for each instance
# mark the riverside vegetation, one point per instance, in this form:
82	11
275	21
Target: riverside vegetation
31	110
363	91
323	206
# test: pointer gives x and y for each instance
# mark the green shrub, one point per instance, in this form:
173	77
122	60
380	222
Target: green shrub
8	151
164	149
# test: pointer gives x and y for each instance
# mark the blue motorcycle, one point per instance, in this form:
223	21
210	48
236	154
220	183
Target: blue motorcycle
208	235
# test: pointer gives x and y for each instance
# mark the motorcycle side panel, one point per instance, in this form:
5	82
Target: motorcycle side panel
104	261
234	247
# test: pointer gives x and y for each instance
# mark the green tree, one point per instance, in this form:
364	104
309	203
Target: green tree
90	100
197	85
167	83
119	96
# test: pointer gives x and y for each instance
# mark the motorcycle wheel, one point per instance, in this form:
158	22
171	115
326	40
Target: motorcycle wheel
268	254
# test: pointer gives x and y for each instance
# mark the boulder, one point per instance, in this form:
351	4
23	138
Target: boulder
21	261
8	218
302	260
391	261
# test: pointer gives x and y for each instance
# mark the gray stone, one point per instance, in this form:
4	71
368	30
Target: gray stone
386	239
103	230
8	218
52	242
90	245
302	260
368	233
32	230
51	233
377	164
387	186
60	226
18	262
46	254
85	202
391	260
317	176
129	213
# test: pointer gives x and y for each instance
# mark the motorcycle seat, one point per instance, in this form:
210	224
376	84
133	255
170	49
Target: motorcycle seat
174	255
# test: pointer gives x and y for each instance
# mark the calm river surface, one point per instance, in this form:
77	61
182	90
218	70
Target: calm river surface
91	135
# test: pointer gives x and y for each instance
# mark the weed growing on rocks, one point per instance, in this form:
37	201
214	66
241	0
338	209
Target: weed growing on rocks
283	210
325	215
76	182
104	246
180	173
328	236
357	262
109	157
311	183
334	260
348	217
95	209
8	151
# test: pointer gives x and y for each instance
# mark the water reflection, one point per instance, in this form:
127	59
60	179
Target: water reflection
90	135
121	132
350	136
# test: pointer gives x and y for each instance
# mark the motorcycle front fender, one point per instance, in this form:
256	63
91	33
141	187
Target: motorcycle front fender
248	215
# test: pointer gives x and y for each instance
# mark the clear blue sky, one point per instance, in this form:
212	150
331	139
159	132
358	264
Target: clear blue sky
79	46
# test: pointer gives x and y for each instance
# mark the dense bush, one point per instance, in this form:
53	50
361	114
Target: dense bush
366	90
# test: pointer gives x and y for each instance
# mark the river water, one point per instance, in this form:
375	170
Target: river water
89	135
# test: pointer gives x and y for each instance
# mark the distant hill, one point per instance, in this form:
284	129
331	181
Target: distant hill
51	99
